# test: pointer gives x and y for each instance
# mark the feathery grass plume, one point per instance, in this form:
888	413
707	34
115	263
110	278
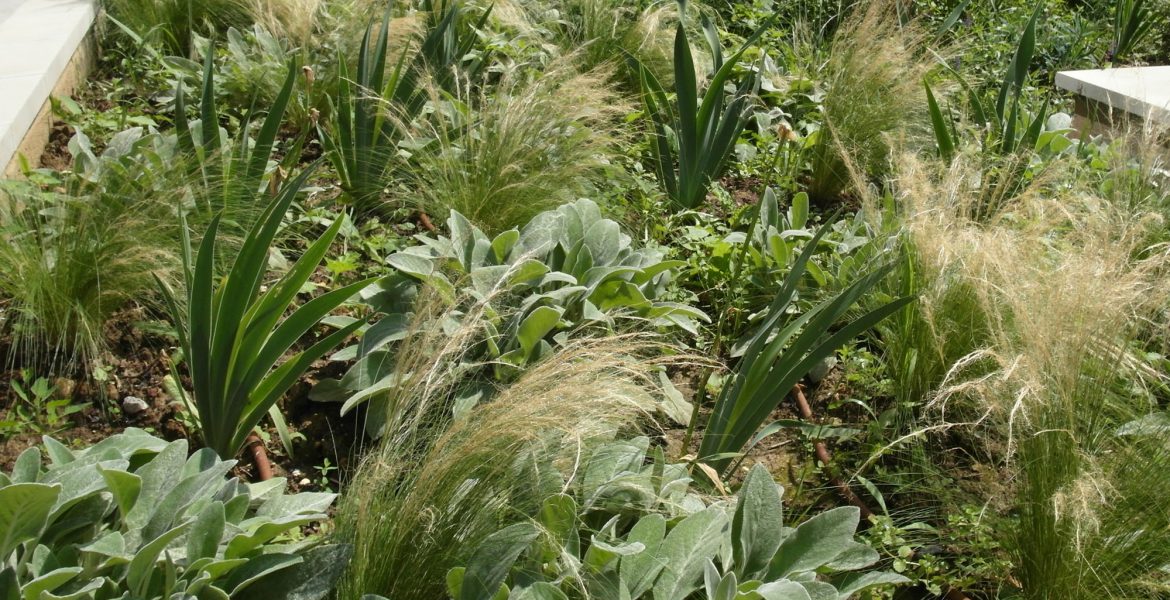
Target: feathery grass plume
293	20
312	24
528	145
872	81
172	25
1062	282
441	481
70	262
607	31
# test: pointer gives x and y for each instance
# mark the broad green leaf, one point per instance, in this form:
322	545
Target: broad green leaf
852	583
259	568
27	467
205	533
539	590
536	325
694	540
312	579
262	531
412	264
815	542
527	271
639	571
493	558
143	565
757	526
819	590
855	556
558	517
782	590
798	212
503	244
24	512
125	487
59	454
43	585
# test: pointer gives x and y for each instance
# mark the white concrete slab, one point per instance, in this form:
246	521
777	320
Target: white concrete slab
1141	91
37	40
7	7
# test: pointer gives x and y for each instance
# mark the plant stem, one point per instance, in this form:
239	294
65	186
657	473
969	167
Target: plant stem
737	266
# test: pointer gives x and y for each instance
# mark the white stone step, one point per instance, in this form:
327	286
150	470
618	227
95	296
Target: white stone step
1140	91
37	40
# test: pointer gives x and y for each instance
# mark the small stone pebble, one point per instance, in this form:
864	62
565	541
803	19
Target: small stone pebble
304	482
133	405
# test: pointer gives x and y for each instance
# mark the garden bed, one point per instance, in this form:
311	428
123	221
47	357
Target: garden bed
582	298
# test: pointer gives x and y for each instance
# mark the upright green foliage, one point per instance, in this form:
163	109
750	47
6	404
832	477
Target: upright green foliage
227	178
373	110
524	145
71	262
461	475
233	335
173	25
780	352
1132	22
134	516
867	81
944	132
694	138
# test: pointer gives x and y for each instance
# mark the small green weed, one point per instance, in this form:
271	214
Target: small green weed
36	409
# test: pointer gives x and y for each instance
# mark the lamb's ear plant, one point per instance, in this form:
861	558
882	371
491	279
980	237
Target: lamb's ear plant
723	551
233	334
569	271
779	353
136	517
693	139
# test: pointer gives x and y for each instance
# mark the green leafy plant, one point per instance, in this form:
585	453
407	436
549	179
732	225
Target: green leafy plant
567	269
1007	128
724	551
866	81
173	25
72	261
960	554
461	475
36	410
233	334
780	352
693	140
325	474
134	516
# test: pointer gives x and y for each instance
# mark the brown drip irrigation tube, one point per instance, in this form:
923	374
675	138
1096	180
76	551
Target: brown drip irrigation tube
822	452
255	448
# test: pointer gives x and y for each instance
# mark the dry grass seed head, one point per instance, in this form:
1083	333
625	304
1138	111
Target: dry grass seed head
437	484
525	146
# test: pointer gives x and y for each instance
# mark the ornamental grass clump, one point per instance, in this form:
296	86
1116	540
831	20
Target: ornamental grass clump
873	95
447	474
1060	387
70	263
501	155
